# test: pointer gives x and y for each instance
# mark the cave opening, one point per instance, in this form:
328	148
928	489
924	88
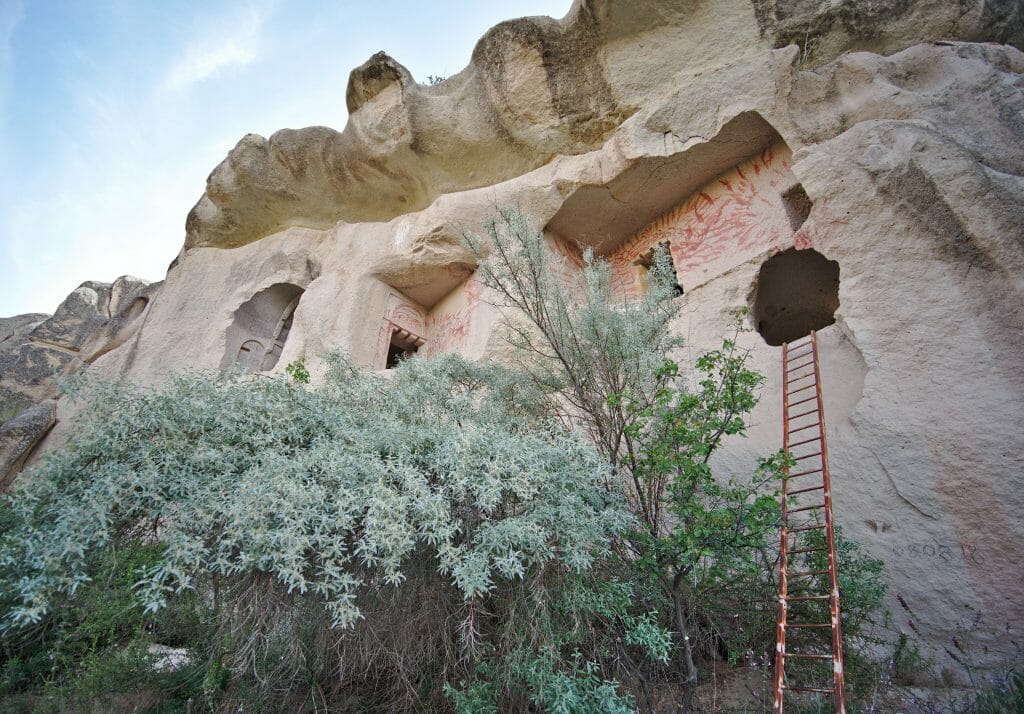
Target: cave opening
645	263
403	345
260	328
797	205
797	292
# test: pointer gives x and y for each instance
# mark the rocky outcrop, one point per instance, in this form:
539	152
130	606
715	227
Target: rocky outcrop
36	351
536	88
824	31
17	327
14	331
18	436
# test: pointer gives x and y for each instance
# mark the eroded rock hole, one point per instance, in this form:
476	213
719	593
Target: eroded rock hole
260	328
403	345
137	307
797	204
797	291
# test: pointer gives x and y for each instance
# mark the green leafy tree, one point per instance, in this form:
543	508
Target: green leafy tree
297	371
608	361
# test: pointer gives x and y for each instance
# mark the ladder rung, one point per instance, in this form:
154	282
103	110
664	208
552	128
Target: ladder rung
804	401
807	597
807	550
801	428
790	355
808	689
800	574
802	473
805	364
787	655
805	528
806	456
797	379
805	508
802	414
797	345
807	625
806	490
805	441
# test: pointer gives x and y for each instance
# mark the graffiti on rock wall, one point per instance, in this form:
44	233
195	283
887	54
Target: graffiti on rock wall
733	218
567	262
945	552
568	256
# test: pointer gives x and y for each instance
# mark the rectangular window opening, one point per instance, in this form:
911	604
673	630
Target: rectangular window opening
403	346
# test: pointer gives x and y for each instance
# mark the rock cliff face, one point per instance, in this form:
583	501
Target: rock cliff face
886	136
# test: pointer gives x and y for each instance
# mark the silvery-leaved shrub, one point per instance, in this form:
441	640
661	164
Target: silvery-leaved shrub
302	510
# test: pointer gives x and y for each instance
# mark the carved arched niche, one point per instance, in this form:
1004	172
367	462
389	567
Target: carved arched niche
260	328
797	291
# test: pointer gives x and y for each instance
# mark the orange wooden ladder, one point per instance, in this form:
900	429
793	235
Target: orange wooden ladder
807	499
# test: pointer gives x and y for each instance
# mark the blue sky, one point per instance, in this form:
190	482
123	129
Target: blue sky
113	112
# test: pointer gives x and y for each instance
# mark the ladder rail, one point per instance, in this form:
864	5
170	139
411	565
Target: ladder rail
838	690
780	627
833	566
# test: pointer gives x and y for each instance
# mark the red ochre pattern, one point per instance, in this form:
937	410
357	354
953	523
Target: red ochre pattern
449	331
739	214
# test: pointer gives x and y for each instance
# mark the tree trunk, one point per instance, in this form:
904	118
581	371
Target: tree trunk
690	684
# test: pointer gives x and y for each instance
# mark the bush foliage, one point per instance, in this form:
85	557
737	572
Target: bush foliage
546	536
285	499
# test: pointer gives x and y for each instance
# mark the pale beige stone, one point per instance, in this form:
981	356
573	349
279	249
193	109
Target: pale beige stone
628	124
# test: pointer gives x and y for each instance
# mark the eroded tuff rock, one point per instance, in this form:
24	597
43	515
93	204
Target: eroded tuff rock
36	351
894	151
17	327
19	435
823	31
13	331
535	88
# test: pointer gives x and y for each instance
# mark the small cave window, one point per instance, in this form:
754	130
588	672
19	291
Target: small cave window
260	328
403	345
137	307
797	204
645	262
797	292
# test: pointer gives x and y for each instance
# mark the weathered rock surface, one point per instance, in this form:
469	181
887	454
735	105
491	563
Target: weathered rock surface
536	88
19	435
629	124
36	351
14	331
823	31
17	327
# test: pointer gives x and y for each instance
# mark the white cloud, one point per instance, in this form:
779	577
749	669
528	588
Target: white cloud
122	177
234	42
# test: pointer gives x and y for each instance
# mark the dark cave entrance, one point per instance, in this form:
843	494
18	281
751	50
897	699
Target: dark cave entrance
797	292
